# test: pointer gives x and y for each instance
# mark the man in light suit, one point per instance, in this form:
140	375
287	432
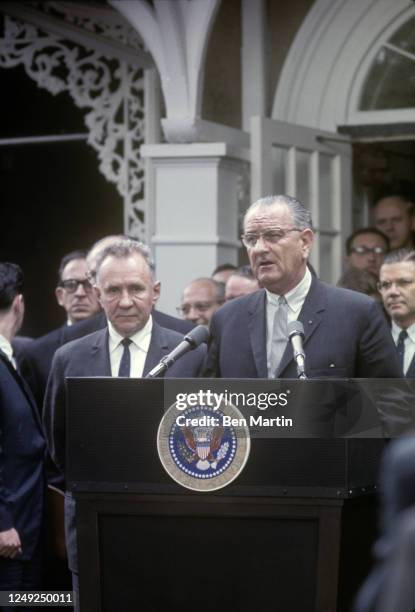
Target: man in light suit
131	345
397	288
22	453
345	332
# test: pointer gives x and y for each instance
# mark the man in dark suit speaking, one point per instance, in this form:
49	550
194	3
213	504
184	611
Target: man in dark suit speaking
345	332
131	345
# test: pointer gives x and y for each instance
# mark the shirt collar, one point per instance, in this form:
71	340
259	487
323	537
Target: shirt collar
6	347
396	330
295	297
138	338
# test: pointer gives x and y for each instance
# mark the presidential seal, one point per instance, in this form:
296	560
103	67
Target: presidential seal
202	448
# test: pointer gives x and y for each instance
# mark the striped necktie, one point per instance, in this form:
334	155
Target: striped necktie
279	335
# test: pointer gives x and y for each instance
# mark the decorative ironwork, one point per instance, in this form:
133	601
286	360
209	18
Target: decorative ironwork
110	91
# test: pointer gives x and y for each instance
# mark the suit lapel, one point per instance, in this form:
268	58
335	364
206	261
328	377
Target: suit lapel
257	332
24	387
411	370
100	356
159	346
311	315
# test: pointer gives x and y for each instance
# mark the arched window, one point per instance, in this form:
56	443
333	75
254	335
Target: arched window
390	82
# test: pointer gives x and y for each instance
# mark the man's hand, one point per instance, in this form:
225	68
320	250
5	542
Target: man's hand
10	544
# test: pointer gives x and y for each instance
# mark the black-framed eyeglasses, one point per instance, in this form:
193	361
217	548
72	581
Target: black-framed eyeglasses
71	285
401	283
364	250
249	240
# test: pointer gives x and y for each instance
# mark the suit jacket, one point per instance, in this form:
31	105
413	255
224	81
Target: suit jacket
22	452
20	345
72	332
89	356
36	362
411	370
346	336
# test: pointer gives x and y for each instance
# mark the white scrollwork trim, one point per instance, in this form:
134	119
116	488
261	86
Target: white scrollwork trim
111	92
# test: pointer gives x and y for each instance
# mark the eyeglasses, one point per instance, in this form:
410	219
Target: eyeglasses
364	250
401	283
271	236
72	284
200	306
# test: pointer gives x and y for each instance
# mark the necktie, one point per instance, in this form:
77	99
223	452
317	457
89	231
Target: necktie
279	335
400	347
124	369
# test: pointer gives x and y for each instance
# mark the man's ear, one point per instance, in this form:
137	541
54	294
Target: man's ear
98	293
307	237
156	292
18	303
59	295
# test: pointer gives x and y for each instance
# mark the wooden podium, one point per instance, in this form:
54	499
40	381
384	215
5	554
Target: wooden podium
292	533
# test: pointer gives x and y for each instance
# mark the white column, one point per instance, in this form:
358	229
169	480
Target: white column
194	192
176	33
253	56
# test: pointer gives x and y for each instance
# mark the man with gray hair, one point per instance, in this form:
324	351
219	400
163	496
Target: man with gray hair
130	346
99	321
345	332
397	288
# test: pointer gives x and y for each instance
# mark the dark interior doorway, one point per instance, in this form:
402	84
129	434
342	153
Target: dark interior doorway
54	198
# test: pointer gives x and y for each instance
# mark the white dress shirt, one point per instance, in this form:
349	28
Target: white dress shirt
409	343
7	349
295	300
139	346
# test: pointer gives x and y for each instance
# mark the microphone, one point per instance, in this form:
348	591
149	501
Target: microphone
192	340
295	331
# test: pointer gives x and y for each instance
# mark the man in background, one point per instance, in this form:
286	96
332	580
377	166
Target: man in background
222	272
22	452
366	249
76	296
394	216
397	287
200	300
240	282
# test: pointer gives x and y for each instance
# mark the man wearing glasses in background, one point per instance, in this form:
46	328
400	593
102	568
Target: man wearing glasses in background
201	299
76	296
397	288
366	249
345	332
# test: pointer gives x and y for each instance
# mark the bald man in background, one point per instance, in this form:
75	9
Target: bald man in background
201	299
394	216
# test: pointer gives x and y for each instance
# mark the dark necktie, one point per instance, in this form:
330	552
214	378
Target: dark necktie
279	335
124	369
400	347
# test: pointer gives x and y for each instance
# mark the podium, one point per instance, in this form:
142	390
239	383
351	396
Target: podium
292	533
